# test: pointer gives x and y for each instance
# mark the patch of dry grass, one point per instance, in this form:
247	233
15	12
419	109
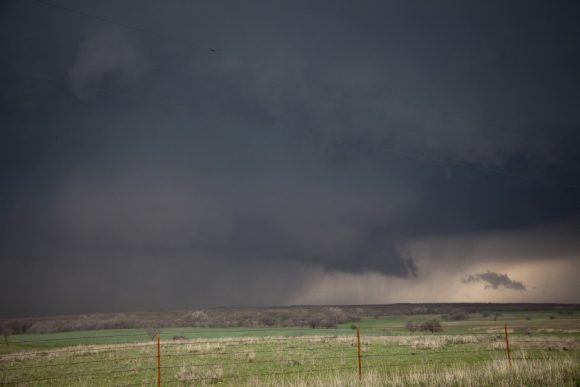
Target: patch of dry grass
431	341
543	372
200	375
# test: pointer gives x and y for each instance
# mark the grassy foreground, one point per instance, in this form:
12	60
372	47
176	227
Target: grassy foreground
545	351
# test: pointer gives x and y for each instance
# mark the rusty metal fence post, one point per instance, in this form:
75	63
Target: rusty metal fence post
158	361
507	345
358	352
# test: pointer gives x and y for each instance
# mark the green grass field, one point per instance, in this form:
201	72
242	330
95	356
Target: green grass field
545	351
518	322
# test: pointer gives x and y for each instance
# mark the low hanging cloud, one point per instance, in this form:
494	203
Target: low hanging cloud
105	53
495	280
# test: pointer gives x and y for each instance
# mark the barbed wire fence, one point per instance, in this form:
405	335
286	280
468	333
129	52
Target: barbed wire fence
261	354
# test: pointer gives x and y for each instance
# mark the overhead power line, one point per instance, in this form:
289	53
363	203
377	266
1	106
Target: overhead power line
110	21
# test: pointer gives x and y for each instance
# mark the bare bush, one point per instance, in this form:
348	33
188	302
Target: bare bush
455	315
431	326
6	333
152	333
412	326
427	326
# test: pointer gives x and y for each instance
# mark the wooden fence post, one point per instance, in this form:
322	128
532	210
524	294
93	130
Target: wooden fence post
507	345
158	362
358	351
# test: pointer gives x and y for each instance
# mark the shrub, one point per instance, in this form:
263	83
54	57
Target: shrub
412	326
427	326
431	326
6	333
152	333
456	315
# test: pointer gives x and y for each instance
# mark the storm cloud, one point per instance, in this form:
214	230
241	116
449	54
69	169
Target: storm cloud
494	280
200	154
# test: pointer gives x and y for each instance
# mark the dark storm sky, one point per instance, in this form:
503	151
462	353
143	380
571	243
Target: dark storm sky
186	154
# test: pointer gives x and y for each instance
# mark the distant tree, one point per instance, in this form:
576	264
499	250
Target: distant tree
431	326
152	333
6	333
456	315
267	320
411	326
